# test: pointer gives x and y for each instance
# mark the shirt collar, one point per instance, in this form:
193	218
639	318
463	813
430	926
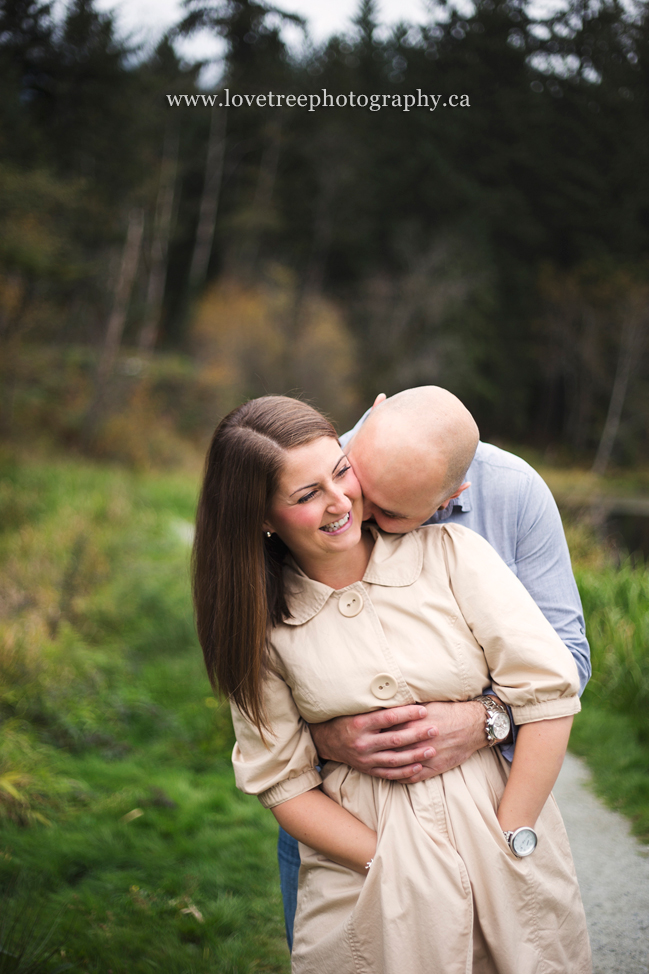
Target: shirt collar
396	561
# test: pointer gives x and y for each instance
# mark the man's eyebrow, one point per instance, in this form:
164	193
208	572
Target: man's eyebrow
307	486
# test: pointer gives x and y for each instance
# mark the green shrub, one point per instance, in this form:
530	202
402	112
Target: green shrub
612	732
616	606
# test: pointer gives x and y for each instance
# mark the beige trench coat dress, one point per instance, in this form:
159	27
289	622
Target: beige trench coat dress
437	616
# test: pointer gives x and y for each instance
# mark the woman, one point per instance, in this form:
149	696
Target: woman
303	616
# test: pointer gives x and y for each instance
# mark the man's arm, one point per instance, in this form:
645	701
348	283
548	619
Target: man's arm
543	566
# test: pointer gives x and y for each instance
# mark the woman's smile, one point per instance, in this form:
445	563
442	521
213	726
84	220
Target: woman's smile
337	527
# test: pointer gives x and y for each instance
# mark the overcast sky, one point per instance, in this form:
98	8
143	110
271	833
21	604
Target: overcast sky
148	19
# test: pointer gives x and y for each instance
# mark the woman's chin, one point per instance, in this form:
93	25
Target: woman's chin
345	542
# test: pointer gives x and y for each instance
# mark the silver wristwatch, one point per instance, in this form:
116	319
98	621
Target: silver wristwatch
522	842
498	724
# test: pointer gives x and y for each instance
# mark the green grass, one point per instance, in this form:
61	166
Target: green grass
612	732
106	711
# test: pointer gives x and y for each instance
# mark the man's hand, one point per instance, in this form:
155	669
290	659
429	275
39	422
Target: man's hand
460	733
397	744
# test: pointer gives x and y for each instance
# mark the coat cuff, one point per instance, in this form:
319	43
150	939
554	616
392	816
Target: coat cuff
547	710
283	791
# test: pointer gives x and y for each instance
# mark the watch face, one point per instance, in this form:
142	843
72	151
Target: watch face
524	842
500	725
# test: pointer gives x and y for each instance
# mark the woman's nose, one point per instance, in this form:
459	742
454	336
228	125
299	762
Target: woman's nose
339	501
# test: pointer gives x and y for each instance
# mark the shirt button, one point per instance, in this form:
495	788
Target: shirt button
384	686
350	604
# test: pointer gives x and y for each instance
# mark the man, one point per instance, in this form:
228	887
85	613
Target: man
416	459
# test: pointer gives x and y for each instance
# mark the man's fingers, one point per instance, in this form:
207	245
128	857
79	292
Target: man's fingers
422	775
401	759
396	774
402	737
382	719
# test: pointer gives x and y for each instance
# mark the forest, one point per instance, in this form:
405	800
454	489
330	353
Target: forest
172	259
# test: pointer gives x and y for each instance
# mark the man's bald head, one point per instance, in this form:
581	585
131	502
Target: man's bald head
411	455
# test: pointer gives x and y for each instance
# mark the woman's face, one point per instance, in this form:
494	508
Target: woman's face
318	508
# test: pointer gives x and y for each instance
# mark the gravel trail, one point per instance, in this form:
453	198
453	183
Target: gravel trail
613	871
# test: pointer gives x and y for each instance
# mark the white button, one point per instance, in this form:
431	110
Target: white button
350	604
384	686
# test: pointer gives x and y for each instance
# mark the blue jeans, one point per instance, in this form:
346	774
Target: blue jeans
288	856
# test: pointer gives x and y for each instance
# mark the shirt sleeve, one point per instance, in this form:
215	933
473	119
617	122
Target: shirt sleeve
543	566
284	765
531	669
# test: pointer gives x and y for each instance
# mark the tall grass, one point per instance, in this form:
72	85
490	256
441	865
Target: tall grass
612	732
117	802
616	604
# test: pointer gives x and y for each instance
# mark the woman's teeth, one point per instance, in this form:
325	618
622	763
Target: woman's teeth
336	524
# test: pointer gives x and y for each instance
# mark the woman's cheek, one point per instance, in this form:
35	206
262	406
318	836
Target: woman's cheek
302	518
354	491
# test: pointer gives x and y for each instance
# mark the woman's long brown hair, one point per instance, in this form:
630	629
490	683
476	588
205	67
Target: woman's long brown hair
236	570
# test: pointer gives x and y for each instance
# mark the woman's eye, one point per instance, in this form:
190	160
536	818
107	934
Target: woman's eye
341	473
307	497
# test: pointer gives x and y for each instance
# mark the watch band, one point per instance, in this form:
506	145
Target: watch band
495	710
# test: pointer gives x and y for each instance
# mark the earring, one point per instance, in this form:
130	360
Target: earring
268	534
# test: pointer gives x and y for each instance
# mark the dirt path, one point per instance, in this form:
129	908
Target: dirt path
613	871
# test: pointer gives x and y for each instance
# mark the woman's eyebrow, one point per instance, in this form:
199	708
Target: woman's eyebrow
307	486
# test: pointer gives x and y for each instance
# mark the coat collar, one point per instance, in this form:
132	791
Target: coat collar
396	561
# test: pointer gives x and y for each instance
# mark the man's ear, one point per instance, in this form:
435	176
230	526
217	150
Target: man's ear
460	490
379	399
457	493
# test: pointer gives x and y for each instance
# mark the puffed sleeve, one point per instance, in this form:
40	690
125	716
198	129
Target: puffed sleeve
531	669
284	766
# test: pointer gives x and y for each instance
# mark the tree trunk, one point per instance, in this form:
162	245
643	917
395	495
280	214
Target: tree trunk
322	233
209	199
262	200
116	321
11	333
629	347
160	244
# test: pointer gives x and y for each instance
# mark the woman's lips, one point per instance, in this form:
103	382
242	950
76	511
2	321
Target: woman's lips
343	524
